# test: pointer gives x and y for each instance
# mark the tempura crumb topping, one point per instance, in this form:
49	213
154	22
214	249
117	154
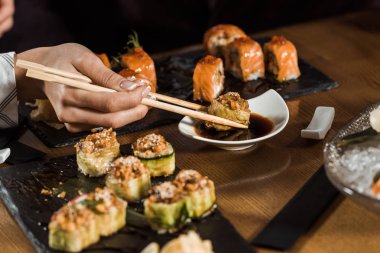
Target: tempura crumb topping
97	141
166	192
128	167
233	101
191	180
152	145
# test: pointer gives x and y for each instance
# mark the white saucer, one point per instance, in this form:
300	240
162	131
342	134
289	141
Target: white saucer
270	105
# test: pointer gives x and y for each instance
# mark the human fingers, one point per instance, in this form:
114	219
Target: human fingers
6	25
75	127
104	101
90	65
6	9
89	117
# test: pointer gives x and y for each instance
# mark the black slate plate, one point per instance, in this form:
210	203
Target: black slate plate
174	75
20	188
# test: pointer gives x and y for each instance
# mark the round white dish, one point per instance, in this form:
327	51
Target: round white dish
270	105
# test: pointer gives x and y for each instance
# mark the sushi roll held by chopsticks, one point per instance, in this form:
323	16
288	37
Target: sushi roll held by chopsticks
129	178
208	78
245	59
229	106
218	37
96	152
199	191
156	154
73	228
281	59
165	208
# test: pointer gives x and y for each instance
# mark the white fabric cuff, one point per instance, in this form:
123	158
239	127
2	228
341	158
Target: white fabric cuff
8	94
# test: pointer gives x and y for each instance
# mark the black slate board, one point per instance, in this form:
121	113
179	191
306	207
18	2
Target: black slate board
174	75
20	188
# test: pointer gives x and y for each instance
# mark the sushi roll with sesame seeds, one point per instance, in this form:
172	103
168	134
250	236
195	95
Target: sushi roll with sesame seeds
129	178
165	208
110	211
73	228
199	191
156	154
96	152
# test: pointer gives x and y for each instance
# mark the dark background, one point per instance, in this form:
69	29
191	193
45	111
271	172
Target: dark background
103	26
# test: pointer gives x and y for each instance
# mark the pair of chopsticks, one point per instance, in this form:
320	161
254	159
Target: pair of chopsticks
44	73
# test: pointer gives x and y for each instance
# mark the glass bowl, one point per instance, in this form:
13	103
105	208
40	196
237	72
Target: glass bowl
344	178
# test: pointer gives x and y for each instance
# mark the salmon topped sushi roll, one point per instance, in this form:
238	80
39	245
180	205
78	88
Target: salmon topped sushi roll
96	152
281	59
208	78
218	37
245	59
156	154
165	208
229	106
138	60
199	192
129	178
73	228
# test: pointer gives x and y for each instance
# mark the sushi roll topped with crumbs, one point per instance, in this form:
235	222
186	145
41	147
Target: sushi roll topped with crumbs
109	209
281	59
156	154
165	208
208	78
73	228
230	106
245	59
218	37
96	152
199	191
129	178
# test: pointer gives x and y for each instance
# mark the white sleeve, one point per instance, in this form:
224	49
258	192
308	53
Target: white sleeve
8	98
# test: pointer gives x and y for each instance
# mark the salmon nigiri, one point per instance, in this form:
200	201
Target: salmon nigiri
245	59
139	61
218	37
208	78
281	58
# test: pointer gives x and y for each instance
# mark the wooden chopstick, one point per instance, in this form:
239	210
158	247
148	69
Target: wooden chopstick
38	74
36	66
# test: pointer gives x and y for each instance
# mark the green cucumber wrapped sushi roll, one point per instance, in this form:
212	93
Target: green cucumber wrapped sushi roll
129	178
96	152
165	208
110	210
73	228
199	190
156	154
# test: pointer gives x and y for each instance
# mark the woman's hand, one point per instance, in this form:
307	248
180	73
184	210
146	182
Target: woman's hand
79	109
7	9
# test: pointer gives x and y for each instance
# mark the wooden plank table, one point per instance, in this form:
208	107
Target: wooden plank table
253	185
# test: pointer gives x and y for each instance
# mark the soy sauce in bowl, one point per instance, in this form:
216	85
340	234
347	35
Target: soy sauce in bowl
258	127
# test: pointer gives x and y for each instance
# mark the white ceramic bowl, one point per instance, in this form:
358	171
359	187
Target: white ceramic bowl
270	105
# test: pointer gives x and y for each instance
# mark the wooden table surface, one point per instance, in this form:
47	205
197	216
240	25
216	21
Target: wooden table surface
253	185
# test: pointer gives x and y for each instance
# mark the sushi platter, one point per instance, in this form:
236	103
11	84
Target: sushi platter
21	191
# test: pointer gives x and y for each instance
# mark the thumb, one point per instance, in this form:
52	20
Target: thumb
91	66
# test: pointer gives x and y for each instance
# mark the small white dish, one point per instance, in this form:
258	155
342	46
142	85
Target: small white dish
270	105
320	124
